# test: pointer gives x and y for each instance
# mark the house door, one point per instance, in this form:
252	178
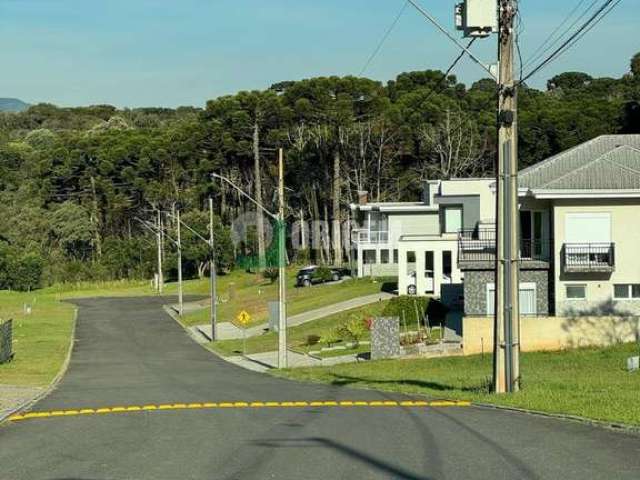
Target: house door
527	299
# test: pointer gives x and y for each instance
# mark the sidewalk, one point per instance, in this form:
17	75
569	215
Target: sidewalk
228	331
261	362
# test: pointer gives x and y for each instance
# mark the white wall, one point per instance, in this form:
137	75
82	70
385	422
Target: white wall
474	186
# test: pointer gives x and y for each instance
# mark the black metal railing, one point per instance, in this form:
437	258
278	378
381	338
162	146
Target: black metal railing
589	257
479	245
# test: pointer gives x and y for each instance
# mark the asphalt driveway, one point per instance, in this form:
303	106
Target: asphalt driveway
129	352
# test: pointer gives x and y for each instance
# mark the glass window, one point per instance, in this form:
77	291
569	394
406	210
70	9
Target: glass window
576	292
635	290
384	256
411	257
621	291
369	256
395	256
452	219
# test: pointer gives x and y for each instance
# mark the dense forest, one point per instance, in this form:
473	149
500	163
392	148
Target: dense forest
74	182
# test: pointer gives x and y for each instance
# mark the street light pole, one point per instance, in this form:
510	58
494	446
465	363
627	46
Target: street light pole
212	274
282	280
282	314
159	240
179	245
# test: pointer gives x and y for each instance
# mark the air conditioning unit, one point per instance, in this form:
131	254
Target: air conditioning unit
477	18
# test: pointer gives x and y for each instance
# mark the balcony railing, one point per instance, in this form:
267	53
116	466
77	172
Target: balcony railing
479	245
589	257
372	237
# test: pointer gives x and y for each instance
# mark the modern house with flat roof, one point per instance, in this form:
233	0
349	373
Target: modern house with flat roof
580	235
418	241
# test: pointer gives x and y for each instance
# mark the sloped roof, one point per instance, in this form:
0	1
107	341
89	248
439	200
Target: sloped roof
608	162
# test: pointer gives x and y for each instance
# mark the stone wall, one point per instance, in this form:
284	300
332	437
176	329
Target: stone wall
553	333
385	338
6	341
475	290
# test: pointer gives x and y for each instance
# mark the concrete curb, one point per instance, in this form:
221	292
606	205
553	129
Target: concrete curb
614	426
56	380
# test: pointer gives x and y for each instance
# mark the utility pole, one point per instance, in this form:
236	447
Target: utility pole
506	371
212	275
179	245
282	273
159	239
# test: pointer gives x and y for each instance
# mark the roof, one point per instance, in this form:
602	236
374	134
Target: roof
606	163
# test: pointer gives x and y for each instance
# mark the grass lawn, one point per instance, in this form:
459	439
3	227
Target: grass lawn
297	336
242	291
589	382
40	340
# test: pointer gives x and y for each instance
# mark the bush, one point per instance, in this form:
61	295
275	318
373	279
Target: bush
354	329
437	312
323	274
270	274
313	339
331	337
414	309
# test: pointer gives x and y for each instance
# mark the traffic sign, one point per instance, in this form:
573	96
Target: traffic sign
243	318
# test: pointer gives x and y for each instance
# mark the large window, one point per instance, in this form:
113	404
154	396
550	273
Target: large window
452	221
576	292
395	256
624	291
527	295
384	256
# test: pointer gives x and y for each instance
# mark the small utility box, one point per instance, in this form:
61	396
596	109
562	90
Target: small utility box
477	18
633	364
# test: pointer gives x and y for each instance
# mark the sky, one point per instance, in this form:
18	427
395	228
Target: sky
132	53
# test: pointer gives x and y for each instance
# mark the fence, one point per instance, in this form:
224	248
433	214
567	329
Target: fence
6	341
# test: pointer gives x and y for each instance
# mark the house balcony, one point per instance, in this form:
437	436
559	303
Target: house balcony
372	237
588	257
478	247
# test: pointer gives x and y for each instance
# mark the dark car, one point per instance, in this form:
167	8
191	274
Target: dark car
307	276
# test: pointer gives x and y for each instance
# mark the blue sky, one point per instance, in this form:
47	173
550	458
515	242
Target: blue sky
183	52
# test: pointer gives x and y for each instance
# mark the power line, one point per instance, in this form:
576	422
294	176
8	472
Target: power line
444	31
437	88
607	7
384	38
540	51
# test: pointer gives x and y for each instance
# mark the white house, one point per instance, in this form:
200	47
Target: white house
418	241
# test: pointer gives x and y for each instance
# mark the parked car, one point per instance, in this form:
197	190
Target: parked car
307	276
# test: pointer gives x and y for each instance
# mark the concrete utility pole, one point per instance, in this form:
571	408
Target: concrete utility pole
159	240
179	245
506	371
282	272
212	275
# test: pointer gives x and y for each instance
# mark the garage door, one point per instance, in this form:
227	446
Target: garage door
588	228
527	299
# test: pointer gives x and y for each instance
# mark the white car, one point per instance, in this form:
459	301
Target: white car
412	288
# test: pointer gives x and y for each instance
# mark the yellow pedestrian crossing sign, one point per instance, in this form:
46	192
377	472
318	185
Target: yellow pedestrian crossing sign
243	317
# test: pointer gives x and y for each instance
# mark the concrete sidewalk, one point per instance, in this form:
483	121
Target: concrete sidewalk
261	362
228	331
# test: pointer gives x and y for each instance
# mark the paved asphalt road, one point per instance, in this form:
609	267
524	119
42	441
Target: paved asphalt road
129	352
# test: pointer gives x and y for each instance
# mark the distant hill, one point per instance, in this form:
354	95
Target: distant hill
12	105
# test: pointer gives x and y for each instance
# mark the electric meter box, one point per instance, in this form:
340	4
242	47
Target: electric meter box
477	18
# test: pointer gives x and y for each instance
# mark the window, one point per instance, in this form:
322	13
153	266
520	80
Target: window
384	256
576	292
447	267
527	295
369	257
452	219
428	264
411	257
395	256
626	291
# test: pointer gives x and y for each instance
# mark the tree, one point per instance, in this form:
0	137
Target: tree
635	65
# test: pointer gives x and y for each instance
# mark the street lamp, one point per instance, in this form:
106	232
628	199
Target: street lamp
282	284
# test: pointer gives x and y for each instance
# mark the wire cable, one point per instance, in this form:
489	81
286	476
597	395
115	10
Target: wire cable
384	38
607	7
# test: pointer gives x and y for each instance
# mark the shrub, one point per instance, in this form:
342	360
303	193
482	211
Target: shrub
437	312
414	309
271	274
313	339
323	274
332	336
354	329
